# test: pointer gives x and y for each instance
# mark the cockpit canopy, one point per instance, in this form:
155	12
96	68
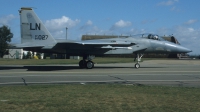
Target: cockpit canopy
154	37
149	36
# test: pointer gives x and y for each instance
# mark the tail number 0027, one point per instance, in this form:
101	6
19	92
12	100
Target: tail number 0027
41	37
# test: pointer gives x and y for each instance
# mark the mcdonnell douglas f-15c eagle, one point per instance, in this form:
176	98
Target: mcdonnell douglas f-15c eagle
35	37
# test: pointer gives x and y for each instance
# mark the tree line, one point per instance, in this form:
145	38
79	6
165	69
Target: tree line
5	38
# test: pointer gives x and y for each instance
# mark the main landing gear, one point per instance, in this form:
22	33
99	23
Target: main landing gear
138	59
87	62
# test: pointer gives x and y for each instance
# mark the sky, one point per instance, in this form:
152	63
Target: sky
180	18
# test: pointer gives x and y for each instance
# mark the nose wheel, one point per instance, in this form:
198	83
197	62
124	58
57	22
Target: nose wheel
137	65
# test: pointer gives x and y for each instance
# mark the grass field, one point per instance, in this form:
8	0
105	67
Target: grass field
98	98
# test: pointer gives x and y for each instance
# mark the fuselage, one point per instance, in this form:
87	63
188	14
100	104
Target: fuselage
140	45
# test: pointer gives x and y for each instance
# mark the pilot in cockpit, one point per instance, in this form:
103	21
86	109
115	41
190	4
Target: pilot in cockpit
154	37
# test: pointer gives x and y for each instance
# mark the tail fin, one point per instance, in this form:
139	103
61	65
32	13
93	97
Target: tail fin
32	29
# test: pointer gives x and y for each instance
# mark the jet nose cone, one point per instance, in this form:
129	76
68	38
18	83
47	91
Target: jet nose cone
175	48
189	50
184	50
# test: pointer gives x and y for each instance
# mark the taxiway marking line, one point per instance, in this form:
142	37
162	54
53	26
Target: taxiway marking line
107	81
91	72
86	75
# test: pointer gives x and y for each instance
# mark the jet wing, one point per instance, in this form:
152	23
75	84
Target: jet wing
110	47
103	42
99	42
95	44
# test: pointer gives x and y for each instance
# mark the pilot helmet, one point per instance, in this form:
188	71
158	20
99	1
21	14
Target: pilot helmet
155	37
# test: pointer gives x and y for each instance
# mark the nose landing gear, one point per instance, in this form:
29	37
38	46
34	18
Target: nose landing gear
138	59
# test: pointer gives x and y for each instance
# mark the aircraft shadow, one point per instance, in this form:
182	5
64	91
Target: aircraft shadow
55	68
8	68
39	68
49	68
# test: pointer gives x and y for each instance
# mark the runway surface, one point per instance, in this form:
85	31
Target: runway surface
152	72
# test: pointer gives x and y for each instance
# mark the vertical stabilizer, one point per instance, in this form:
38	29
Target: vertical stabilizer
32	29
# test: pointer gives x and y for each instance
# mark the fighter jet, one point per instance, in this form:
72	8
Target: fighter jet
35	37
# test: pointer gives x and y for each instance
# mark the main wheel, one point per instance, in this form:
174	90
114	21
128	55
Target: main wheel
82	64
137	65
90	65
